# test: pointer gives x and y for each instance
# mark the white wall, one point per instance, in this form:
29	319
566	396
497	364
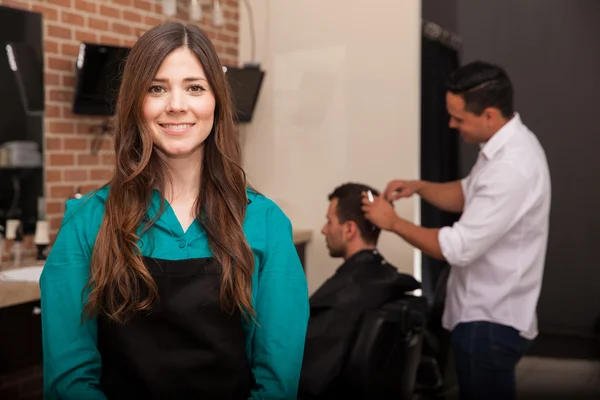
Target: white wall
340	102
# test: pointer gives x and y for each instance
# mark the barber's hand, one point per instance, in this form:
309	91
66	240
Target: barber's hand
398	189
379	212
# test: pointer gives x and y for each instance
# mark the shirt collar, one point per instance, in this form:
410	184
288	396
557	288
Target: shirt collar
492	146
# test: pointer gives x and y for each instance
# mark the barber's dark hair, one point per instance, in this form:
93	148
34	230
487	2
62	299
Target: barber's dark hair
482	85
349	206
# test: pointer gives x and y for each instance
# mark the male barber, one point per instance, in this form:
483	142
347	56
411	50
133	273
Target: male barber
497	249
363	282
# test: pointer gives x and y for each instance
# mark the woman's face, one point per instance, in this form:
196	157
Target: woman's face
179	106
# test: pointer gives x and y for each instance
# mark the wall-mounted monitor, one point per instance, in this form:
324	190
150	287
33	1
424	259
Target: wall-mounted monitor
28	71
245	84
99	69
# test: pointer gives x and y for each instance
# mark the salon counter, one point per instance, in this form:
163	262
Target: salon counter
12	293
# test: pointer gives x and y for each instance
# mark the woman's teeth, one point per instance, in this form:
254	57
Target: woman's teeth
178	127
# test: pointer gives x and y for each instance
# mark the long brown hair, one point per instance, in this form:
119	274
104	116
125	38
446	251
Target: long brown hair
120	285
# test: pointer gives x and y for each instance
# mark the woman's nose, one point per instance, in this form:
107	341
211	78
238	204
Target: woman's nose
177	102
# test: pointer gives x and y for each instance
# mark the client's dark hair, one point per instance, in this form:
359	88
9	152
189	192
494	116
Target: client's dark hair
482	85
349	205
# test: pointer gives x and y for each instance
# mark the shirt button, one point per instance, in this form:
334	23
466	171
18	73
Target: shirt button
182	243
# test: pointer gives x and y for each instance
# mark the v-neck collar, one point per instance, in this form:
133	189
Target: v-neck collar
169	219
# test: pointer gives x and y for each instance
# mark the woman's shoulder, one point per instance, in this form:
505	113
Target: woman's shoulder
262	207
264	215
87	208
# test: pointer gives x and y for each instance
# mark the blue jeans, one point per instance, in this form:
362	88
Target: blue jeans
485	357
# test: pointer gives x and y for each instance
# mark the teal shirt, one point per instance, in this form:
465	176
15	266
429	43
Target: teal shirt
275	347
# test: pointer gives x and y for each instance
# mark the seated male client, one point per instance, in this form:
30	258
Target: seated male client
365	281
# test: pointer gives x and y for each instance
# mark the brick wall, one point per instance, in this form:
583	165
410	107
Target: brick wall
68	138
69	162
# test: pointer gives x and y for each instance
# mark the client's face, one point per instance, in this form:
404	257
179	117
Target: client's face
333	232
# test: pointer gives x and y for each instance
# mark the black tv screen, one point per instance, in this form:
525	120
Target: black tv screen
99	72
21	76
28	68
245	84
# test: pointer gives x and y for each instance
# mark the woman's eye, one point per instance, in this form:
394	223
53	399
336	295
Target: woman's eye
196	89
156	90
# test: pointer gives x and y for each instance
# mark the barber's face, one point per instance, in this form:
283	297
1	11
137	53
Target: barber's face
334	232
472	128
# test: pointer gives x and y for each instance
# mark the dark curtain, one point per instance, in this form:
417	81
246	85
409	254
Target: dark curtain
439	143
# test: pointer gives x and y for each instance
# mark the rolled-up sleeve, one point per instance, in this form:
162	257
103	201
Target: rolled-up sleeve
496	204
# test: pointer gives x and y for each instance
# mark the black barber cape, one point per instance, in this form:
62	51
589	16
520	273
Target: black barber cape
364	282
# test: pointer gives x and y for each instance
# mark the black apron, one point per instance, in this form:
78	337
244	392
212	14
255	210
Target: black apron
184	348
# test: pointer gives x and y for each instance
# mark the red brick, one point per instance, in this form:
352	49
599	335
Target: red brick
111	40
68	81
231	51
152	21
86	36
55	207
61	95
107	144
71	50
97	23
61	127
85	127
101	174
76	175
55	222
60	64
49	12
62	3
126	3
143	5
67	112
108	159
75	144
232	27
62	159
53	144
109	11
51	78
59	31
53	175
130	16
84	189
50	46
52	111
72	18
231	15
87	159
122	28
87	6
130	43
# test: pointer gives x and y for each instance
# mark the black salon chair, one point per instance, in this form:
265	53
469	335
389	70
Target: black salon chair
385	355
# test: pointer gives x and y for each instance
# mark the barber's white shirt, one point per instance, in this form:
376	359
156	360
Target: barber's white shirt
497	249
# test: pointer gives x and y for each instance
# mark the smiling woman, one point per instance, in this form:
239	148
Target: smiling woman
180	106
192	284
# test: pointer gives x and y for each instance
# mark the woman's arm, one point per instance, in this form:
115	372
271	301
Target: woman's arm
72	364
282	312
